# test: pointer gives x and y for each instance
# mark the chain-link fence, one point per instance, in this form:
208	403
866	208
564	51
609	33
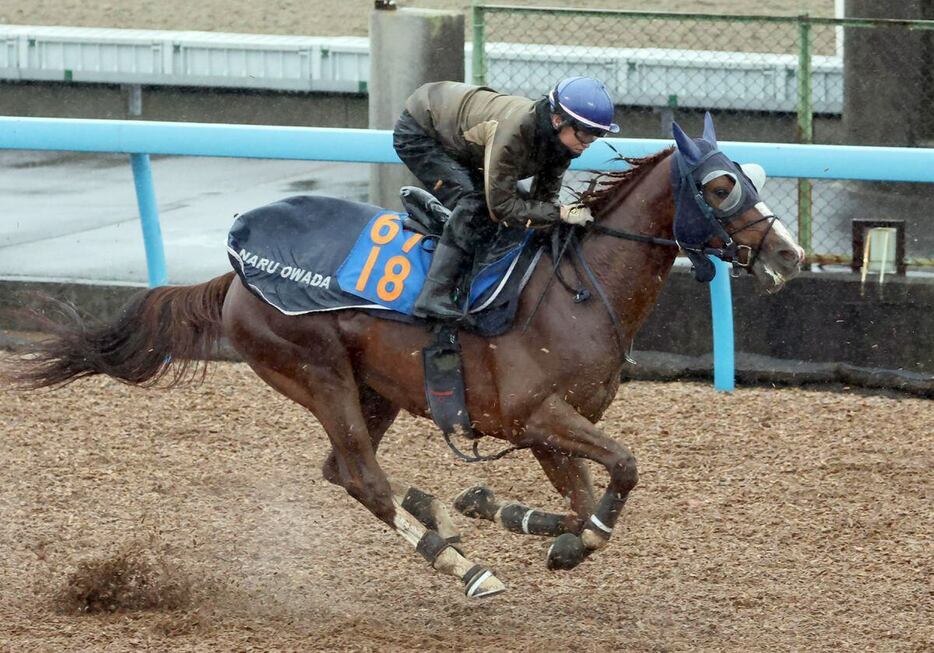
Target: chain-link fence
764	78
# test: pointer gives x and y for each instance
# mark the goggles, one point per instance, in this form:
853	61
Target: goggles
587	135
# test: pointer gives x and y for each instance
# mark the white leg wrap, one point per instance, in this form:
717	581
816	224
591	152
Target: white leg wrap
525	521
600	525
407	526
478	581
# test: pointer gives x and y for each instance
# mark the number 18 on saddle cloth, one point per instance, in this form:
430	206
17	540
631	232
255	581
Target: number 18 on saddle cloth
388	264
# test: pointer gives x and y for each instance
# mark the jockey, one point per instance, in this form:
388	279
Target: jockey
470	146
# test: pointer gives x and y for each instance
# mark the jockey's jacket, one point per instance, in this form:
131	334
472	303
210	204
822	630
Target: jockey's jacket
507	137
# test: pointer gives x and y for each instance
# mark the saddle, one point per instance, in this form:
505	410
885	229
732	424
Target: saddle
308	253
427	214
442	362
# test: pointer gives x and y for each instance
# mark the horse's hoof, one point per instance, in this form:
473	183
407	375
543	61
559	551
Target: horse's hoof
477	501
480	582
566	552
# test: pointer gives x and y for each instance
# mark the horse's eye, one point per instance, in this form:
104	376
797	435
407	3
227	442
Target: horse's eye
723	193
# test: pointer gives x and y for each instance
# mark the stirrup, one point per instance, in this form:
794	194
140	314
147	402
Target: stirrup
435	302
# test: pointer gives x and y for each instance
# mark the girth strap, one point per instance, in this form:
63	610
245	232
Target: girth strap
445	393
617	327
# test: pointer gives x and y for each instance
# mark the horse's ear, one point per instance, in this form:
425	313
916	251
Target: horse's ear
710	134
686	146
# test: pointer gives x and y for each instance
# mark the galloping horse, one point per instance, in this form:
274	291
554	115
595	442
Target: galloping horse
542	387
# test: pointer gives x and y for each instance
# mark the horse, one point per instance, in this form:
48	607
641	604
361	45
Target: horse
542	387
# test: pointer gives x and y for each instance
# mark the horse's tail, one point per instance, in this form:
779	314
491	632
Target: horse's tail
162	333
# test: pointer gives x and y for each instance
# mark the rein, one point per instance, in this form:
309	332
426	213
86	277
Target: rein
740	256
730	252
727	254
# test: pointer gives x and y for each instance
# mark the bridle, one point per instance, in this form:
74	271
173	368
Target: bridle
742	257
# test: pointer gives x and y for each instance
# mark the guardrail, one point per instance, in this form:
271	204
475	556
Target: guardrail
375	146
139	139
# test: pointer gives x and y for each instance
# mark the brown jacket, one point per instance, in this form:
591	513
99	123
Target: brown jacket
507	137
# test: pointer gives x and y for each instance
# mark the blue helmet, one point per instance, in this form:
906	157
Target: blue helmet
585	102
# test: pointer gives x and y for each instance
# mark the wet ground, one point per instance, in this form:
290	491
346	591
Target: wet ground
74	216
764	520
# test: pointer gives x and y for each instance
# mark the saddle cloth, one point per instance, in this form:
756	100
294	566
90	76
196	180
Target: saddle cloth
310	253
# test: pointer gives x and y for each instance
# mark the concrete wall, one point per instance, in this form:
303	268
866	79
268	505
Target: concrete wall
178	104
183	104
817	318
888	90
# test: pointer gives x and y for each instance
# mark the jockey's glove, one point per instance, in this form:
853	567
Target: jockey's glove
576	214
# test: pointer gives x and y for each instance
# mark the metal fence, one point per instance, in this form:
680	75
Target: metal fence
765	79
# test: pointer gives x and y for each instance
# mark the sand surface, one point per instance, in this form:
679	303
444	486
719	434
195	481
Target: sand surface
768	519
765	520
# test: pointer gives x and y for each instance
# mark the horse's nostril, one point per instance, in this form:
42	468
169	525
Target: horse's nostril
795	255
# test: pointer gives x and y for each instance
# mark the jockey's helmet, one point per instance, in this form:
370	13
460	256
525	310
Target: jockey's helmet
585	103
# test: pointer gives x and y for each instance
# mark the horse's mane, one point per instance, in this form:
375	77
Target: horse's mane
606	190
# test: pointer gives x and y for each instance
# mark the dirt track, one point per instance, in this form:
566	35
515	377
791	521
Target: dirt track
321	17
764	520
770	519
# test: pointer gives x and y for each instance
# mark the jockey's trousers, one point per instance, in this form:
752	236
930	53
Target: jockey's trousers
454	184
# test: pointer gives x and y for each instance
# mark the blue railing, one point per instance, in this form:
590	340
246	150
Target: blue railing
375	146
139	139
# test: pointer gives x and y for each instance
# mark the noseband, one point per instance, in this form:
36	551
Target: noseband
751	254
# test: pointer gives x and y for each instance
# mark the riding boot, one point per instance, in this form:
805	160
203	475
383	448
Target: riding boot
434	300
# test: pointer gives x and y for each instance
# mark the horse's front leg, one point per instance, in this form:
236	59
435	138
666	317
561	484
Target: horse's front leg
568	475
556	426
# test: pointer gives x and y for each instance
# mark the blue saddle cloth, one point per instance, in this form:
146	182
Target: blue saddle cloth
308	253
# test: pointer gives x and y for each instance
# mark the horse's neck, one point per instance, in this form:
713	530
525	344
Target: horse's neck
632	273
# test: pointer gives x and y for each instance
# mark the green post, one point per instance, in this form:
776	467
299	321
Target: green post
478	58
805	130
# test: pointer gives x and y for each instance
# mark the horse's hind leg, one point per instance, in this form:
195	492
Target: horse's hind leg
357	471
380	413
570	477
318	375
429	511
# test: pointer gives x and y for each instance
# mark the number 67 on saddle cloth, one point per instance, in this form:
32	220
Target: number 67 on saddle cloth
388	264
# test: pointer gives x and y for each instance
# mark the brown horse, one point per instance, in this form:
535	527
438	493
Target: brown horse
542	388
